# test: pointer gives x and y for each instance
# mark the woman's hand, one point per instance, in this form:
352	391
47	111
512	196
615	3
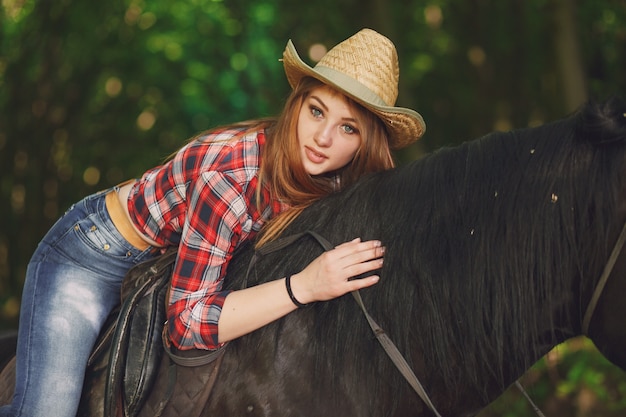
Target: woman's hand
328	276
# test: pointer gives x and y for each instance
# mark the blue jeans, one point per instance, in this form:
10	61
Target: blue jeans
72	283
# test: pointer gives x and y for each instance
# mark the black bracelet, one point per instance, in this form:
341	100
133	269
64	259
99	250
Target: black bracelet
291	296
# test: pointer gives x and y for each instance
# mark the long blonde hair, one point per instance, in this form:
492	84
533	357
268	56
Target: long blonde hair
282	170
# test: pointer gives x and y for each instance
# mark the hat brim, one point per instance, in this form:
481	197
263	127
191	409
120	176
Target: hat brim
404	125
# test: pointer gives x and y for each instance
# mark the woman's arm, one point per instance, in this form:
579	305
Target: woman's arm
327	277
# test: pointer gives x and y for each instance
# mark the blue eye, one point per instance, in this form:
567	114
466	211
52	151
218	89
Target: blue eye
349	129
316	112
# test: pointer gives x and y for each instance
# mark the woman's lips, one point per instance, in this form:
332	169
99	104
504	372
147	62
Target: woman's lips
314	156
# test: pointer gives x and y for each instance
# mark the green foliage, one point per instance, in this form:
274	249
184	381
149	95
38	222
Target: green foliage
572	380
93	93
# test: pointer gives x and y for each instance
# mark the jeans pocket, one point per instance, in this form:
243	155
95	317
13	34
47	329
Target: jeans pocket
97	237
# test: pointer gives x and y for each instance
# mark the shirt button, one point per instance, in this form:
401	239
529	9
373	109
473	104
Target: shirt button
93	228
107	246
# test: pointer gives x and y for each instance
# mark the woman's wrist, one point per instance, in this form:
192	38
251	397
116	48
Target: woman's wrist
291	294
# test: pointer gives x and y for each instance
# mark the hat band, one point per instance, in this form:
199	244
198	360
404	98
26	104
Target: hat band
351	86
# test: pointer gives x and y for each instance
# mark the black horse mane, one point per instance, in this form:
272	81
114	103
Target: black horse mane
483	241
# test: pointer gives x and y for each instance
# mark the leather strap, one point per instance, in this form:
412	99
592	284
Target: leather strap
608	268
395	355
189	360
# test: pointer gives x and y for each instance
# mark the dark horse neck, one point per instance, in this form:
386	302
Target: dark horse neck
494	248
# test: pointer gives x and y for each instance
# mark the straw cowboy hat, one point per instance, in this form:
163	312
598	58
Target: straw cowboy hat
365	68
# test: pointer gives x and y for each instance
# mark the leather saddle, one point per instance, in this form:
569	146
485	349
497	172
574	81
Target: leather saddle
128	361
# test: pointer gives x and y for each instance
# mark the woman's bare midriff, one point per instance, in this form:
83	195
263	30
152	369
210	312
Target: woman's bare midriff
122	194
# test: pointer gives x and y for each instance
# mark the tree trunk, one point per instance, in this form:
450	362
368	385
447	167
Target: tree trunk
569	67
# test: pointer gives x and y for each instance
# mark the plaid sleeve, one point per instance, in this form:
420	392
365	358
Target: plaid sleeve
213	226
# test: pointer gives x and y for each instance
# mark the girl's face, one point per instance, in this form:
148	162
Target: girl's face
328	132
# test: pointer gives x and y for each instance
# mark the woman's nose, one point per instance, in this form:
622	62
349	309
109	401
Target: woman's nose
323	136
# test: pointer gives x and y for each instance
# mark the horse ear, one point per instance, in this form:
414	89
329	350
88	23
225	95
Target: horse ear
603	123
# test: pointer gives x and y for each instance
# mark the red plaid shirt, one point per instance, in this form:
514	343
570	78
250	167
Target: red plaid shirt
203	201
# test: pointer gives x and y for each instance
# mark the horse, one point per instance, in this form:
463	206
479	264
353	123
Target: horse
494	251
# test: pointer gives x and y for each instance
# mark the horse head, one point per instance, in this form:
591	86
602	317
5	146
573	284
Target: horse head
602	321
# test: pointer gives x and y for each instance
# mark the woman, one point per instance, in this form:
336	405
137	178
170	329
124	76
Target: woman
214	194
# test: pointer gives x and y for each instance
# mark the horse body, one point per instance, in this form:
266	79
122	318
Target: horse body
494	248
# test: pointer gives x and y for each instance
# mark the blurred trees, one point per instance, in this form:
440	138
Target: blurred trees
92	93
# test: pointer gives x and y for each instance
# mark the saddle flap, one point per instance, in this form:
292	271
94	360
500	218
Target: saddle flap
144	349
136	347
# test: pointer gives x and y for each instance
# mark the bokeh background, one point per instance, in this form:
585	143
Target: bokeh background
93	93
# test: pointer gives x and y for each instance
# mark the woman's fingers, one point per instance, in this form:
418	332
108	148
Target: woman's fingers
357	284
356	257
361	268
332	273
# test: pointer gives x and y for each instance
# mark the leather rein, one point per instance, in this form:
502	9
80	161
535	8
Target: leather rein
608	268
